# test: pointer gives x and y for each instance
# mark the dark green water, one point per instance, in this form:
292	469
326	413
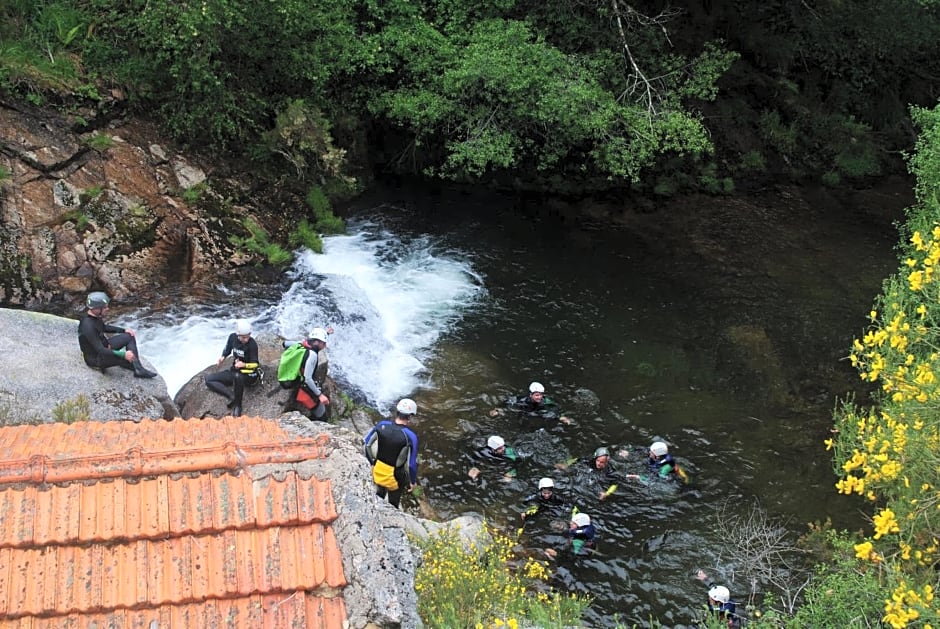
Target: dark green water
716	325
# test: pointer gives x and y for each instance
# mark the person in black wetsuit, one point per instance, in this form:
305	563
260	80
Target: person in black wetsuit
306	395
545	501
231	382
101	351
599	471
392	449
535	405
495	454
720	603
663	465
581	536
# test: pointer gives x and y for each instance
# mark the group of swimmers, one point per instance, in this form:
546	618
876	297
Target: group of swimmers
599	472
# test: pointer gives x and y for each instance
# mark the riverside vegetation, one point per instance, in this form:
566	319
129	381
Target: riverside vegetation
596	96
555	96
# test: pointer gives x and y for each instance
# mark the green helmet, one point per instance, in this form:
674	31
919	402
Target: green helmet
602	451
97	299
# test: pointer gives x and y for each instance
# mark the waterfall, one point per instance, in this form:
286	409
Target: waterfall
388	296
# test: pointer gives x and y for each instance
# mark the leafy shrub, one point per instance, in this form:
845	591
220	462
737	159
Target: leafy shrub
192	194
81	220
306	236
842	593
888	453
88	194
259	243
475	586
69	411
753	161
326	221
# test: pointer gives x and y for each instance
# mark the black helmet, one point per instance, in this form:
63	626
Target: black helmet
97	299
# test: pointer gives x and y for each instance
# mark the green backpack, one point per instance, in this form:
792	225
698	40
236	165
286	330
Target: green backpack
288	370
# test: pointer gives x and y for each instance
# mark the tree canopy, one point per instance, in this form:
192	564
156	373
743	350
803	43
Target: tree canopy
561	95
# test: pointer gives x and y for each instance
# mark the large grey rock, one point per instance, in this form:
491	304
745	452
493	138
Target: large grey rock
45	374
265	399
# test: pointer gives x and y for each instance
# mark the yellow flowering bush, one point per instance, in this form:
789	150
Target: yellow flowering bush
890	454
486	586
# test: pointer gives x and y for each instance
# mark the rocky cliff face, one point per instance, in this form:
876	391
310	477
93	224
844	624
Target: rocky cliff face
89	201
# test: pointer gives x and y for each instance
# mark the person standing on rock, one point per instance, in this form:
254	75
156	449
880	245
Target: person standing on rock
392	449
101	351
244	371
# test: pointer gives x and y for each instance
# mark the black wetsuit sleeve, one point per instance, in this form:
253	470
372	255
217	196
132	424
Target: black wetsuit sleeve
92	340
251	352
229	345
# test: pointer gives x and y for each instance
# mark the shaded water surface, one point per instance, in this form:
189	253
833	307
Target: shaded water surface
717	325
720	334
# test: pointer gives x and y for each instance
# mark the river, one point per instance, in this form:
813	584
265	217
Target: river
717	325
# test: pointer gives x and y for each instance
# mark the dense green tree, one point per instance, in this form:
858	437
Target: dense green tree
549	95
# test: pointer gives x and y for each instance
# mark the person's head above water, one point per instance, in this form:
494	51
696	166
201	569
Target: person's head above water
536	391
496	443
719	594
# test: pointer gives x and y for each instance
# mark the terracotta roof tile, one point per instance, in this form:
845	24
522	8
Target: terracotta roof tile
129	523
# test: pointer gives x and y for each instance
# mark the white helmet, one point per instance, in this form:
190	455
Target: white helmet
536	387
581	519
317	334
242	327
719	593
406	406
546	483
495	442
659	448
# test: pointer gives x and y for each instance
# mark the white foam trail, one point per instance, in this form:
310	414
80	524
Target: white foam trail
388	300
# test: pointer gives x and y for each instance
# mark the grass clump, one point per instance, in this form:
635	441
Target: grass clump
326	222
70	411
259	243
100	142
483	585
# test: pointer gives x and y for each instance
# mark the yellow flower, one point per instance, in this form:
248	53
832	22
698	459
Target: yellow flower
863	551
885	523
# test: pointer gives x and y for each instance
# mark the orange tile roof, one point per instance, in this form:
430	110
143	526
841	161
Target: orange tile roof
156	524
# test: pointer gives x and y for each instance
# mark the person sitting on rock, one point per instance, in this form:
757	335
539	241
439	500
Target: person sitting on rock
101	351
244	370
535	405
306	395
